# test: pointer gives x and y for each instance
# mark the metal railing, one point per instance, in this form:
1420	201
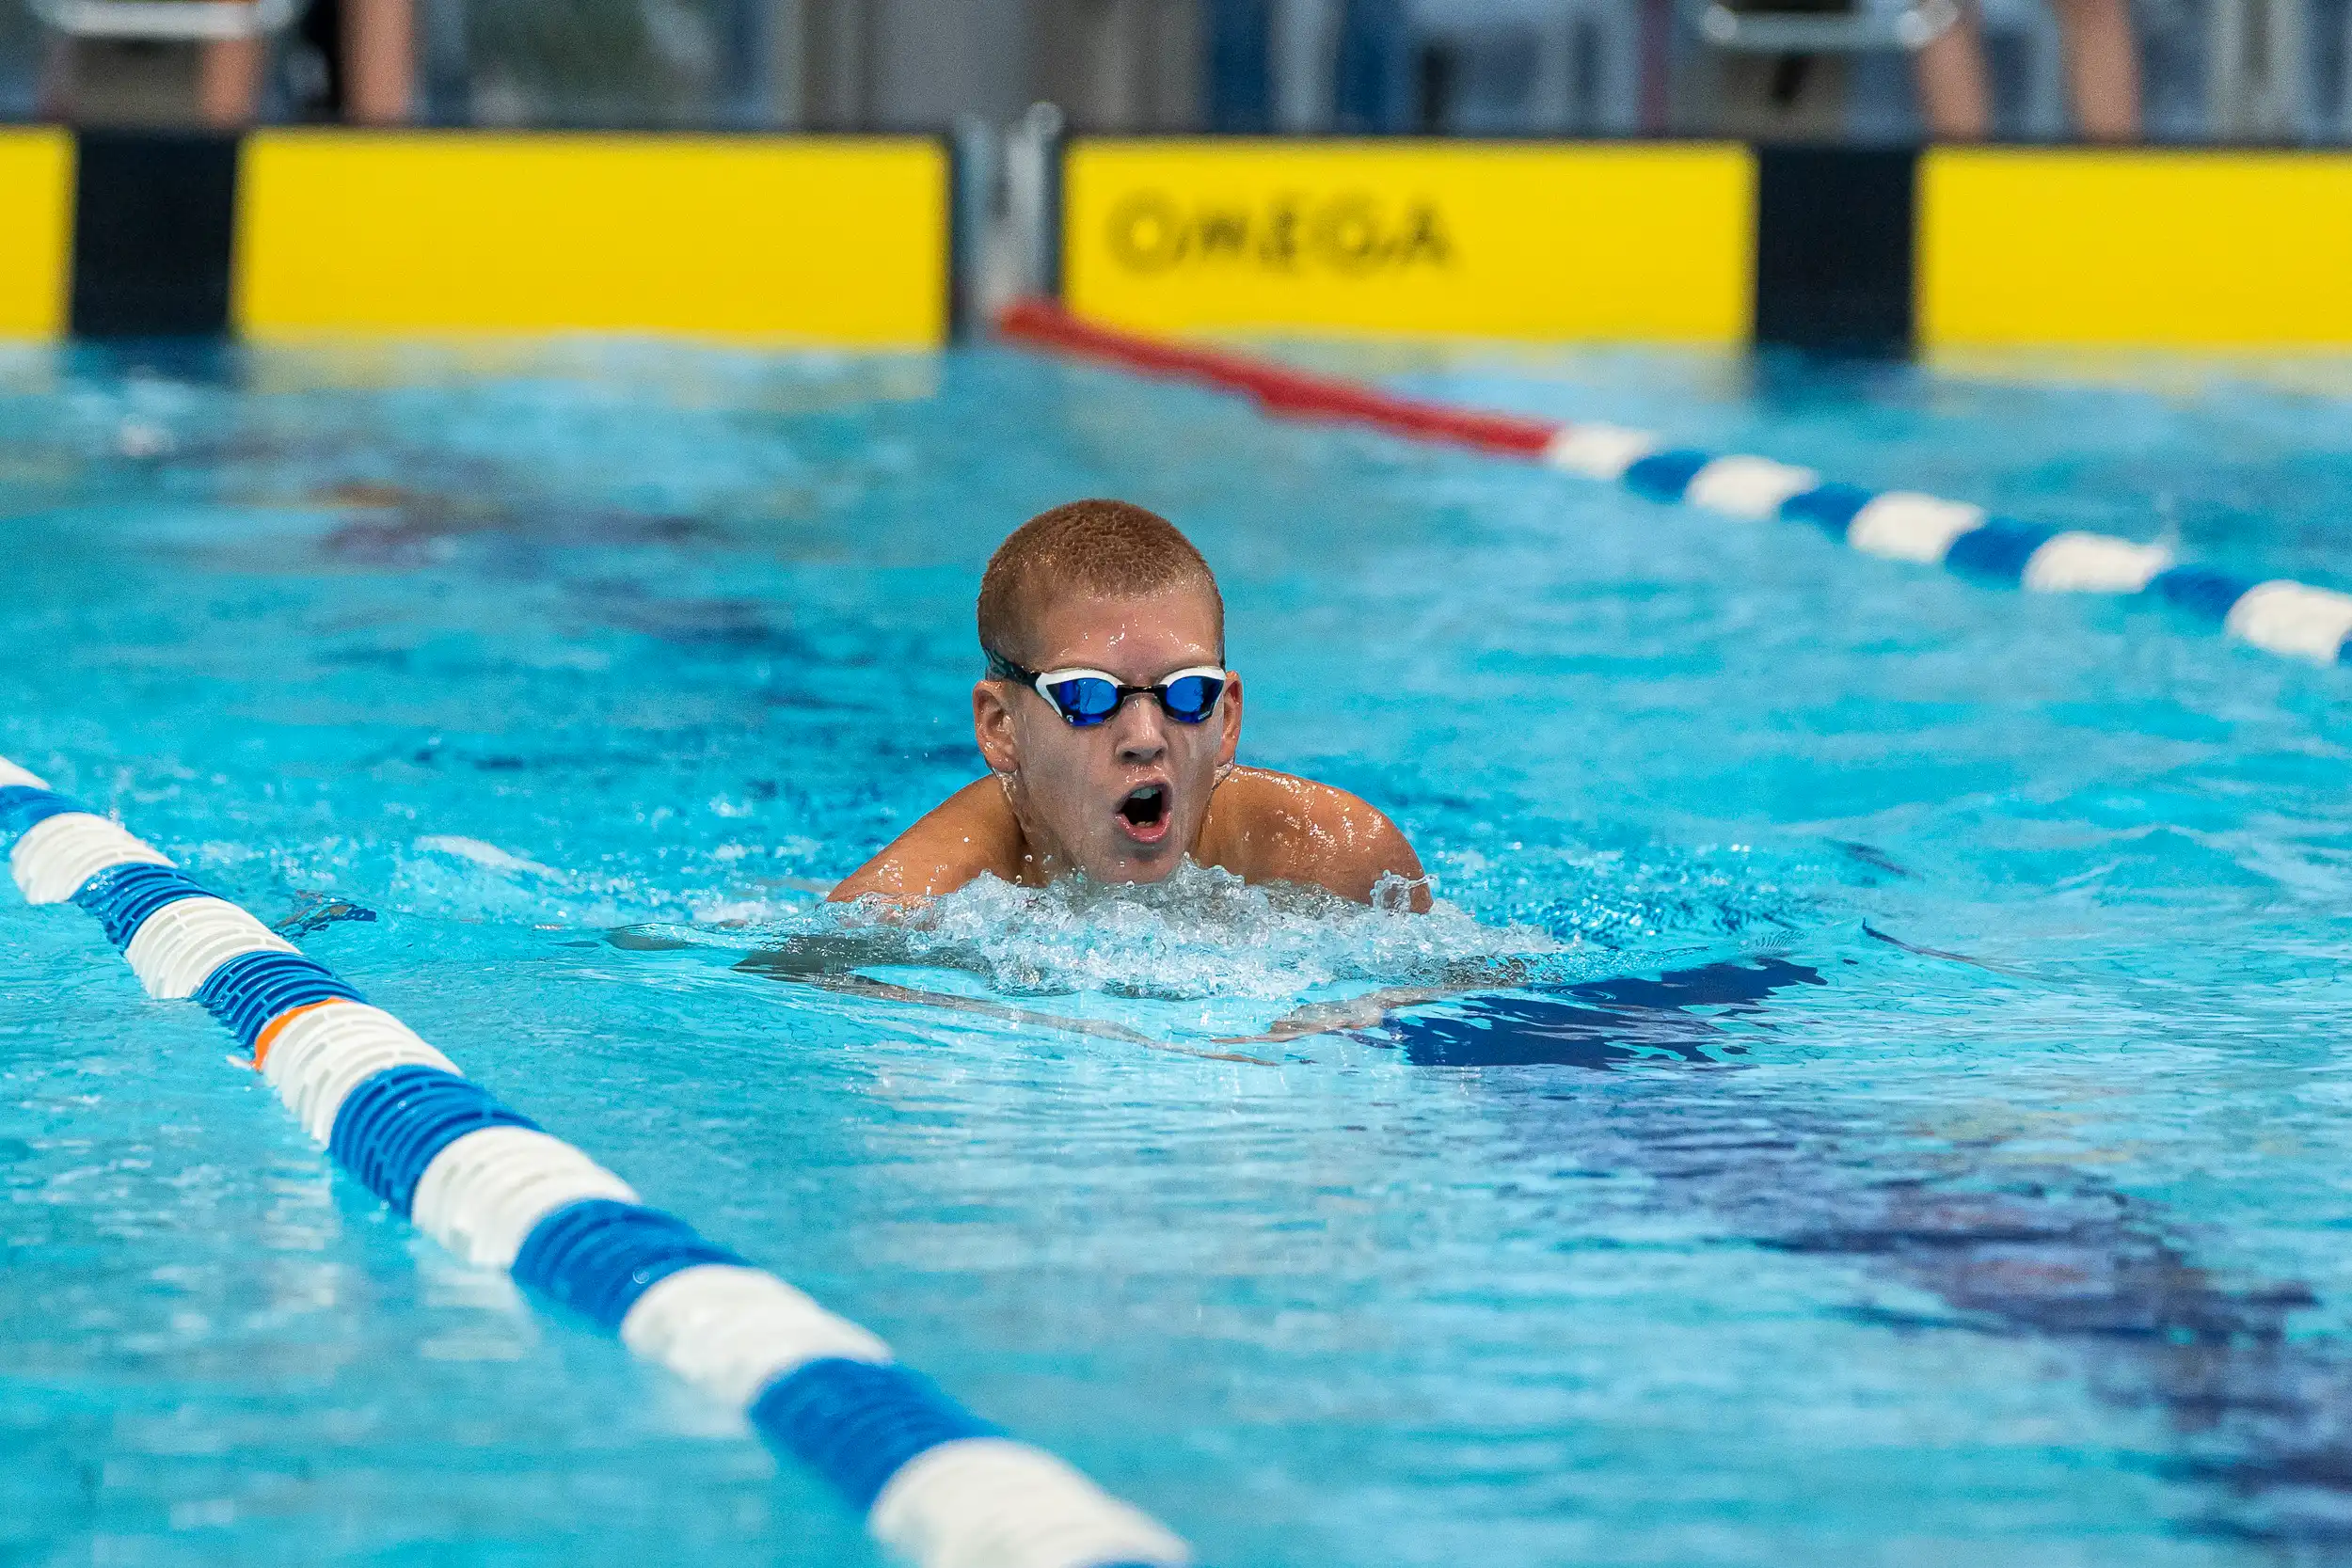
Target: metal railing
166	21
1866	27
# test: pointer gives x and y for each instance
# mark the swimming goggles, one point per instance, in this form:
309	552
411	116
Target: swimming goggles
1086	698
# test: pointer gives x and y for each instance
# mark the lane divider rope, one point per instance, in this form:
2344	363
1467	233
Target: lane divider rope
2279	615
937	1486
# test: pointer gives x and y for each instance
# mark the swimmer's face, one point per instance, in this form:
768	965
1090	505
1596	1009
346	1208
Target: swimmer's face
1122	800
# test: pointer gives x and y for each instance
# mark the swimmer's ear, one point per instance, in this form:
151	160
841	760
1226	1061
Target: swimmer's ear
1229	719
992	726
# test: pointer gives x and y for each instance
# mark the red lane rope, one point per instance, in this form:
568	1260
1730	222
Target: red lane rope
1278	389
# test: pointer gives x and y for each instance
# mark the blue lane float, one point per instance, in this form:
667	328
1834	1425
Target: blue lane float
2279	615
938	1486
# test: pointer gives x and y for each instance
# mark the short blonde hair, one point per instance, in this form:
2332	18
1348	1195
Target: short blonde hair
1091	546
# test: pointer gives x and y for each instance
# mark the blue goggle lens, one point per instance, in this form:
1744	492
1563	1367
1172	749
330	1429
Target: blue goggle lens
1192	699
1085	702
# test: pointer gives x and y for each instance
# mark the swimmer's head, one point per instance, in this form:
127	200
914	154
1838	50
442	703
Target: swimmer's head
1114	786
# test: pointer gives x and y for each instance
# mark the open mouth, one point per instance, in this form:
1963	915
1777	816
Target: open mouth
1145	811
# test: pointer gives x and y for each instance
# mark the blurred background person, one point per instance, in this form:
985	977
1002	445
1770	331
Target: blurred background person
2102	74
356	62
170	65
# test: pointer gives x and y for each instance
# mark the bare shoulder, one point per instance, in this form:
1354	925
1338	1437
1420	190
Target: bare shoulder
971	832
1269	827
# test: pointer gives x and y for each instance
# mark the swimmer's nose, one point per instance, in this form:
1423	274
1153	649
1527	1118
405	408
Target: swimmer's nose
1137	731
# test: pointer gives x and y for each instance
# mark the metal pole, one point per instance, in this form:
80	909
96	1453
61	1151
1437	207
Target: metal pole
784	48
1305	54
1033	197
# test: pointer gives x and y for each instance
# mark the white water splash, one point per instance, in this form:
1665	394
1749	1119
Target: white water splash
1203	933
486	855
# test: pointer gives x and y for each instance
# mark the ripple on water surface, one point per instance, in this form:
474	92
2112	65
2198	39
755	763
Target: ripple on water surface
1875	1029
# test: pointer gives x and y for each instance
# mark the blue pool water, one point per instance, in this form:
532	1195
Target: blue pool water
1906	1122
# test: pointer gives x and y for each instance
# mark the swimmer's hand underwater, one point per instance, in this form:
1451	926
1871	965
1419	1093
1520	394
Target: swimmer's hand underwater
1109	724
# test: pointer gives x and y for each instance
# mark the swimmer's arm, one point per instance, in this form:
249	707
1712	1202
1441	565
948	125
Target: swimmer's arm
1268	827
971	832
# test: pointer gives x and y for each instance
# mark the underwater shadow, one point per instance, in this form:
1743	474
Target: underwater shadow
2009	1245
1597	1025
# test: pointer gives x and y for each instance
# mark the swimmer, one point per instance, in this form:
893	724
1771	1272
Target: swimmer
1109	724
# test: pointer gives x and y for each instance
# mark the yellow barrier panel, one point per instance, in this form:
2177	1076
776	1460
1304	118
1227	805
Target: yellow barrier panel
36	245
738	237
1497	240
2110	247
